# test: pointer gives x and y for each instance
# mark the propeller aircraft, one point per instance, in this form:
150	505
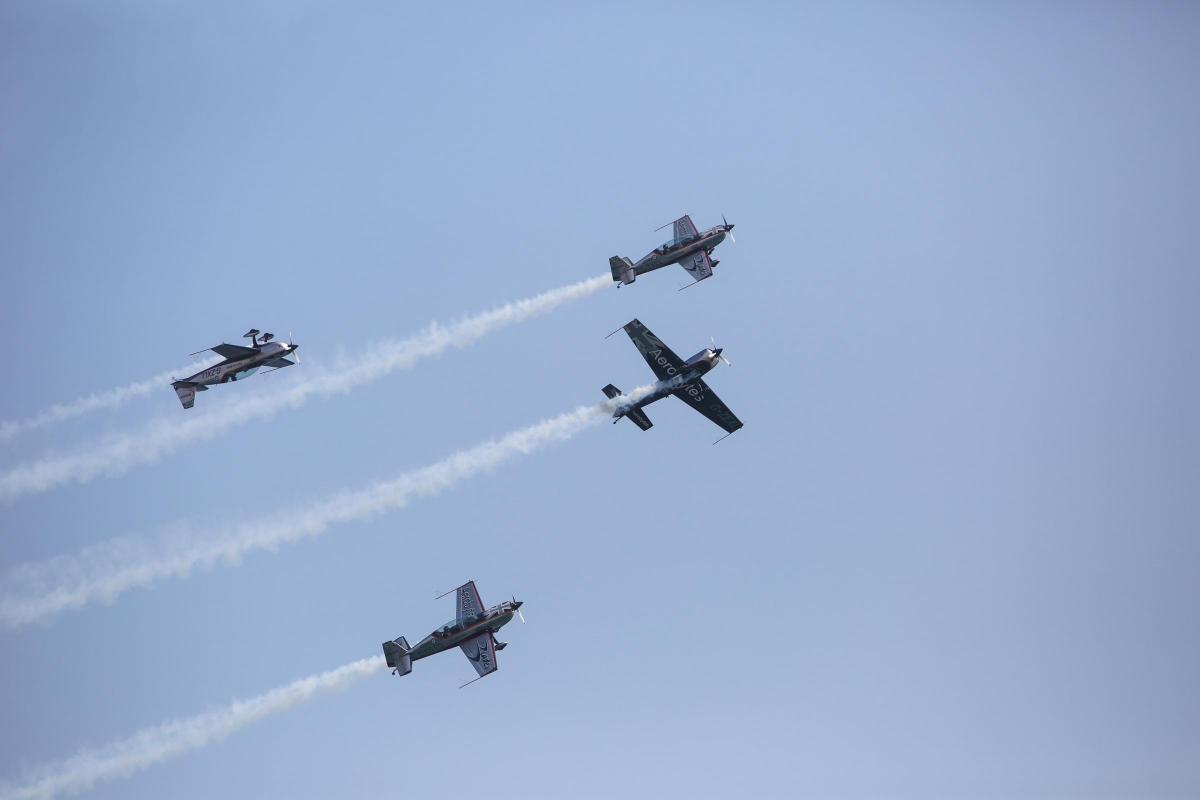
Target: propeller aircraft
473	630
688	248
240	362
683	379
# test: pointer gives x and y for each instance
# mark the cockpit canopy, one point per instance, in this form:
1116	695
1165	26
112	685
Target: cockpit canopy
682	240
458	625
245	373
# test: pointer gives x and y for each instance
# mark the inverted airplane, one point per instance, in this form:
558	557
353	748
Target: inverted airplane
683	379
473	629
240	362
688	248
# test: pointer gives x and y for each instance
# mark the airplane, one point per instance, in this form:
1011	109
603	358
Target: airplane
684	379
240	362
473	629
688	248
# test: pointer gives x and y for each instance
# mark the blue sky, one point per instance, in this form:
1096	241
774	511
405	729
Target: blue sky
953	552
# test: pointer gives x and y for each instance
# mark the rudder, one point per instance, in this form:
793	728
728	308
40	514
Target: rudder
396	654
622	269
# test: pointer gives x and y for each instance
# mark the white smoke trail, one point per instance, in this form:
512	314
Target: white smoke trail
35	592
111	398
149	746
160	437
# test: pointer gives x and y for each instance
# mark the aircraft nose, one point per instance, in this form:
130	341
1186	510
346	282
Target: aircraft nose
517	604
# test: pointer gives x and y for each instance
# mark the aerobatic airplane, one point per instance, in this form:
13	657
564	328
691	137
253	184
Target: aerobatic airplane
688	248
683	379
473	629
240	362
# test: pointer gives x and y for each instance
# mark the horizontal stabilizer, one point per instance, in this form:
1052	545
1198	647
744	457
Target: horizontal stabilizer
186	391
637	415
640	419
396	654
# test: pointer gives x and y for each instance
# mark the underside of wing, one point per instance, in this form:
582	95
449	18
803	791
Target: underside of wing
698	265
660	357
279	363
705	400
234	352
684	227
467	603
481	652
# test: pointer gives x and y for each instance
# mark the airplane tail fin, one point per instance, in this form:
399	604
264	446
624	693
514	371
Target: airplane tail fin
186	390
637	416
396	653
622	269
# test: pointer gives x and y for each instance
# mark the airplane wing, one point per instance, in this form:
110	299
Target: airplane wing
684	227
698	265
660	358
233	351
279	363
468	602
481	652
705	400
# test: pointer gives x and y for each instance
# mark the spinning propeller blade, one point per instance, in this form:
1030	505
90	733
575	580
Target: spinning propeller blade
717	350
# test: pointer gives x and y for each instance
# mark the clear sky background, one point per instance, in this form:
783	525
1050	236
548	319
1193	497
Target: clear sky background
954	551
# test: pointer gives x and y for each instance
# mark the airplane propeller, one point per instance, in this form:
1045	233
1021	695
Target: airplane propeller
294	350
518	609
728	229
718	350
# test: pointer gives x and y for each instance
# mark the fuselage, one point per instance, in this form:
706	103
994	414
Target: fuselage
684	379
671	252
457	631
242	367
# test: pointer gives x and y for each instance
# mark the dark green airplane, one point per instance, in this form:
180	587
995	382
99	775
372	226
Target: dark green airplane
688	248
473	629
683	379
